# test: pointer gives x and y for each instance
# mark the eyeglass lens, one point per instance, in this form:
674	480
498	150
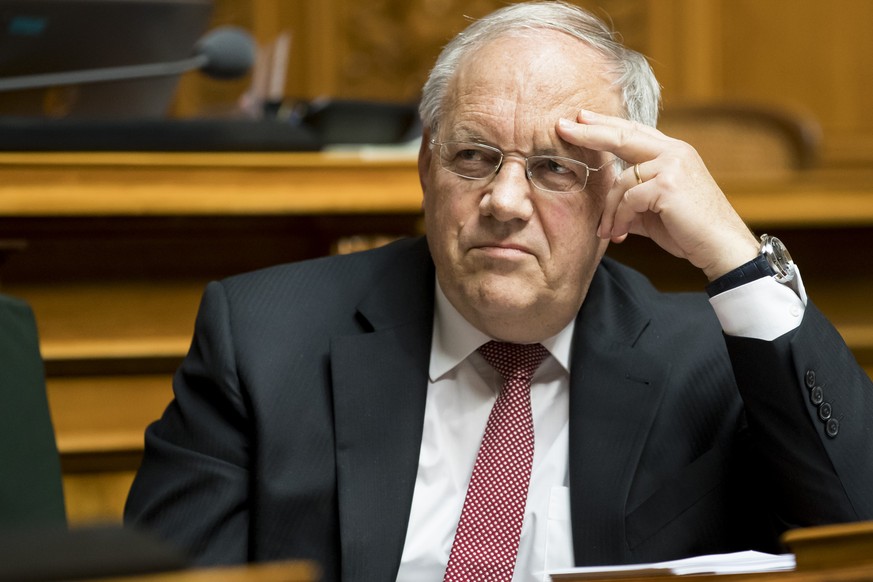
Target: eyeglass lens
477	162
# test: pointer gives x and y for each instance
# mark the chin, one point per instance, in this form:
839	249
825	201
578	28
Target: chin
507	294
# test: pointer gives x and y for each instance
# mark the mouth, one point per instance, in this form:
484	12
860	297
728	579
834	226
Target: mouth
503	250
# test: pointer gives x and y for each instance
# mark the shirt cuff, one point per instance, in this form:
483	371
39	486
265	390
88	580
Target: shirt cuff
761	309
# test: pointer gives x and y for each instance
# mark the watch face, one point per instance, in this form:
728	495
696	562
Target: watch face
778	257
780	253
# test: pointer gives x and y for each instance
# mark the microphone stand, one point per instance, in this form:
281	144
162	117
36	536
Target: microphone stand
150	70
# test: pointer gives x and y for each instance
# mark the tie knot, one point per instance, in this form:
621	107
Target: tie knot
514	360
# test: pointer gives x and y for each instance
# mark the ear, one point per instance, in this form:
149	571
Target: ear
424	160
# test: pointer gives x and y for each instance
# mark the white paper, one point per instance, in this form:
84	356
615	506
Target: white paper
736	563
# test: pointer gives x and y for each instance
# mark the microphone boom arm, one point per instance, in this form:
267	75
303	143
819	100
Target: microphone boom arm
103	75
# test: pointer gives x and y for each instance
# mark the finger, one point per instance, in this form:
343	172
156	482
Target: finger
589	117
626	139
637	174
635	202
625	181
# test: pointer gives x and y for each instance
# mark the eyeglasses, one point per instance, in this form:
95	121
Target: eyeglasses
476	161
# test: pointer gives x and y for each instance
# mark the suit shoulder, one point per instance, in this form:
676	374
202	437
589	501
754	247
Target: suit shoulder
321	275
685	306
329	286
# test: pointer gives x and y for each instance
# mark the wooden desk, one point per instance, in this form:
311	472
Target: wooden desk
247	184
268	572
115	248
217	184
847	558
836	574
812	199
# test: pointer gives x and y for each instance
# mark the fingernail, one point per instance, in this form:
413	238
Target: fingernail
565	123
586	114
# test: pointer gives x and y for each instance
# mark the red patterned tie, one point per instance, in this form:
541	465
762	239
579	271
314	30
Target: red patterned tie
486	541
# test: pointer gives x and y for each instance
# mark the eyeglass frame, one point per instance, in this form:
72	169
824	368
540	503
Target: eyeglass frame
527	169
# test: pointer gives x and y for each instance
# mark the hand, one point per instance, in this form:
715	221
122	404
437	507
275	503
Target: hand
675	202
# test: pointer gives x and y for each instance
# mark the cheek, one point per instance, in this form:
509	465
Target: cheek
443	220
571	231
438	213
447	210
571	223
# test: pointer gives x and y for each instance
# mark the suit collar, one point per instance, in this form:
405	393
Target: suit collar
403	292
379	388
454	338
616	388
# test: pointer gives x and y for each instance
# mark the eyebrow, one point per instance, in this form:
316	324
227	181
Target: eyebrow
463	134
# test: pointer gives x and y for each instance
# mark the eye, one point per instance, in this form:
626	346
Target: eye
556	167
471	160
470	155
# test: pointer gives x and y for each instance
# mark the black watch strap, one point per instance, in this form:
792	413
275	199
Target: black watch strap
745	273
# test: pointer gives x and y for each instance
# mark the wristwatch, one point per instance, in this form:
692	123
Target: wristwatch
778	258
773	261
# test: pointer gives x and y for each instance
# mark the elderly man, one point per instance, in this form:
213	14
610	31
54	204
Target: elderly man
501	399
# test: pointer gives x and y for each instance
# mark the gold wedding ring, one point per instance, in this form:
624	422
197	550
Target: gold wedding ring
637	173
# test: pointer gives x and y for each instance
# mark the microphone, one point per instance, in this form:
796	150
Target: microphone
224	53
229	52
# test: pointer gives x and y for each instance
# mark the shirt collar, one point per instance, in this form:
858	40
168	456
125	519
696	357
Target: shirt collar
454	339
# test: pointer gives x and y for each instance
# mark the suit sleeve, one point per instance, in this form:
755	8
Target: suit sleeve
192	488
809	407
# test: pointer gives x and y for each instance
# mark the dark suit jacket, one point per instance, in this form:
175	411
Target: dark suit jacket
30	472
297	420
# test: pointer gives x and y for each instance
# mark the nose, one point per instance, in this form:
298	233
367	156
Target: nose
507	196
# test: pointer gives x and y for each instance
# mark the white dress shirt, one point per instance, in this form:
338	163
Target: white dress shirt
462	389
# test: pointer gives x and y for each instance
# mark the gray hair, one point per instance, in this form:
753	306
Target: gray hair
641	92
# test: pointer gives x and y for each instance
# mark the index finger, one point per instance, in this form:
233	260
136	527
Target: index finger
626	139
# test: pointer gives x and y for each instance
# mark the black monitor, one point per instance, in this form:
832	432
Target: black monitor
47	36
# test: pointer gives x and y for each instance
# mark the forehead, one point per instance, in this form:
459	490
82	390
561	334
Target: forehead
519	85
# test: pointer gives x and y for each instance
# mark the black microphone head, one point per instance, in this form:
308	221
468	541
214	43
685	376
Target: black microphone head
229	52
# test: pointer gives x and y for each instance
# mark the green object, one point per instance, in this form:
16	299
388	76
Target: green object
31	491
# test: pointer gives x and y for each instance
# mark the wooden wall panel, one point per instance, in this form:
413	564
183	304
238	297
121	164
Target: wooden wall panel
818	56
683	48
387	47
800	53
378	50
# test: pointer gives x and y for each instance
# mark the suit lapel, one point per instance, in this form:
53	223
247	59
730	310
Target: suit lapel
380	385
615	392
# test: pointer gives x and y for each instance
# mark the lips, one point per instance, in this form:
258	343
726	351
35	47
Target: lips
503	249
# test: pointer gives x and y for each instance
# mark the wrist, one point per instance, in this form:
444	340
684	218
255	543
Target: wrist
749	271
772	260
736	258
